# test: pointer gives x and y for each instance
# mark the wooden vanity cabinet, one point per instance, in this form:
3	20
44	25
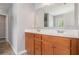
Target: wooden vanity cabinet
39	44
29	43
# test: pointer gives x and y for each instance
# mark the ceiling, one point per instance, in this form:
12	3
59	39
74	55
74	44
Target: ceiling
40	5
4	6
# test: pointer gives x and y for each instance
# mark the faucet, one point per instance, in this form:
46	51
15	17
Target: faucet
60	31
38	29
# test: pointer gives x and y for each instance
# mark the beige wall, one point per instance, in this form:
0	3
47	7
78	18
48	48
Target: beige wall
2	26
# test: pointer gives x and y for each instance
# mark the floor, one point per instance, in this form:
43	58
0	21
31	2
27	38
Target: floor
5	48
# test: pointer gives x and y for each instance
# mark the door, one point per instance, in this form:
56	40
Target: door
29	43
47	48
62	46
47	45
2	26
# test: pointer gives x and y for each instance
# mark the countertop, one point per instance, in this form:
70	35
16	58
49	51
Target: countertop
56	32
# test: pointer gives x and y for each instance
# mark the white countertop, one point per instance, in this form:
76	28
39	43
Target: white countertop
56	32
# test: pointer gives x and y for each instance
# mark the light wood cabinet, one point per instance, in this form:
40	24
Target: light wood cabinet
29	43
39	44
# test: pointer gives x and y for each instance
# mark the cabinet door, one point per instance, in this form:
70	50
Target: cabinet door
38	44
61	51
47	48
38	47
47	45
62	46
74	46
29	43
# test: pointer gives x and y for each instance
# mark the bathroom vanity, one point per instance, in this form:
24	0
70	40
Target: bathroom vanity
43	44
57	35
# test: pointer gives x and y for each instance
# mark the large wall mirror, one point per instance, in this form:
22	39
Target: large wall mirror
59	15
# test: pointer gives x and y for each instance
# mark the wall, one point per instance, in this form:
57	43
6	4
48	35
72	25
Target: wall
39	18
77	14
20	17
12	27
25	15
3	12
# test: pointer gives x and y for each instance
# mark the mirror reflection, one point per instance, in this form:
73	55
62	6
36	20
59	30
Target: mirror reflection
60	15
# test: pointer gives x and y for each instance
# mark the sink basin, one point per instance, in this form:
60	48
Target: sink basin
56	32
60	31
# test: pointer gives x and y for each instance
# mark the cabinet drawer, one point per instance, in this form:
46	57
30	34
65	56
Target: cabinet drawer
47	38
29	35
37	36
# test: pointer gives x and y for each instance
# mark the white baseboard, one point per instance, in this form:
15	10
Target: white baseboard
22	52
12	47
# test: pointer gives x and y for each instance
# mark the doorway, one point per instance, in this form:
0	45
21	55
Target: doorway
2	27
